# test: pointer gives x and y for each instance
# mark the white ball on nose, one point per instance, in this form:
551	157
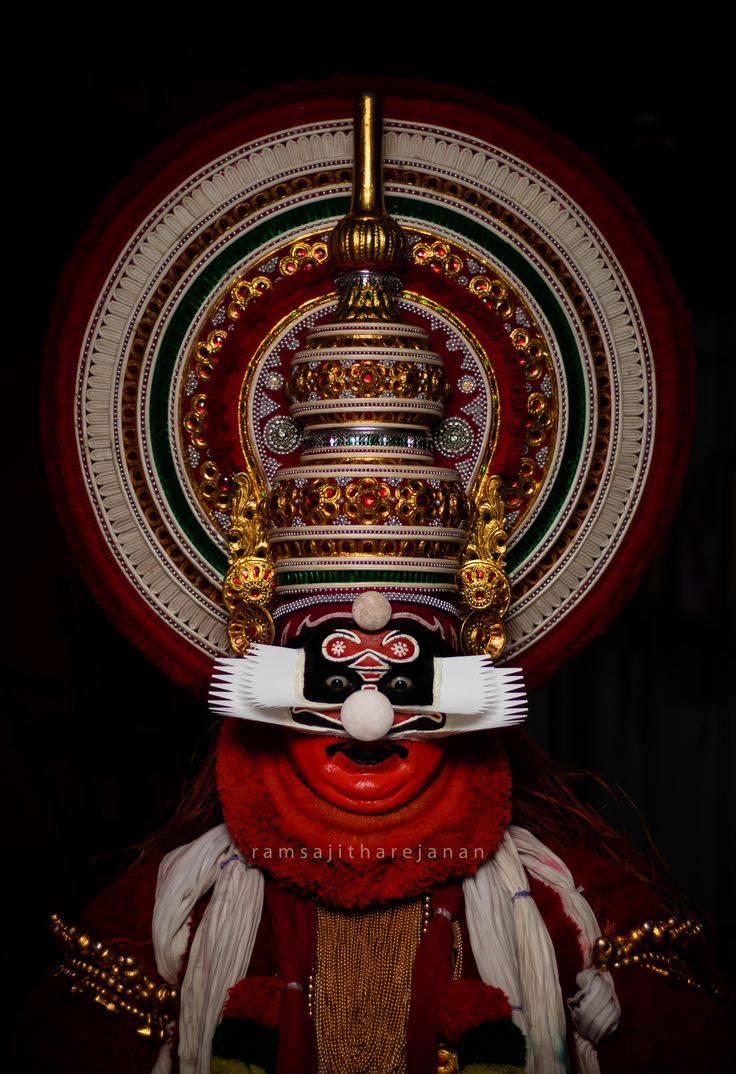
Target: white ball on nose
371	610
367	715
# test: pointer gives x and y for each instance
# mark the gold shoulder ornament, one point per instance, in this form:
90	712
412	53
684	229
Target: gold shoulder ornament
115	981
658	946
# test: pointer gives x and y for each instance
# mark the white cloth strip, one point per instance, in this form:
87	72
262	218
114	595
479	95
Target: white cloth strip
222	946
514	952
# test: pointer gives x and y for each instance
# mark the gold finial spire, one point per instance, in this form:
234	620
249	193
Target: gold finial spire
367	239
367	174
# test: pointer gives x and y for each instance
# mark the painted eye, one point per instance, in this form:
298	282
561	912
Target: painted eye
337	683
399	683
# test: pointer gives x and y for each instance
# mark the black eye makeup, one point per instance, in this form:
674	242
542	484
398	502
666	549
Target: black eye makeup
399	683
331	681
337	684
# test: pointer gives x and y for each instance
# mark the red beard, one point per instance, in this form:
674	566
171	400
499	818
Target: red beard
349	859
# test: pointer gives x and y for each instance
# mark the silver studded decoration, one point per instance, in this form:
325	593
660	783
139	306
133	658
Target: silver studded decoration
454	437
282	435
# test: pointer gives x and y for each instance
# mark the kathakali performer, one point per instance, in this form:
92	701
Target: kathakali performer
377	458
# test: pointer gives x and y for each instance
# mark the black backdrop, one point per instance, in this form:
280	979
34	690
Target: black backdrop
98	741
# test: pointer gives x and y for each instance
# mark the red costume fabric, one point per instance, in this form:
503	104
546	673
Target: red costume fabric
665	1027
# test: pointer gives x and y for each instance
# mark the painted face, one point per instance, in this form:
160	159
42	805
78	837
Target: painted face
396	661
371	778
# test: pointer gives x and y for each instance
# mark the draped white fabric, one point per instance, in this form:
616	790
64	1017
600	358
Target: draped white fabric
514	952
222	946
511	946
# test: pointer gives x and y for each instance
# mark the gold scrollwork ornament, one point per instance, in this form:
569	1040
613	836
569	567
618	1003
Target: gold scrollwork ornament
247	535
486	533
250	579
484	587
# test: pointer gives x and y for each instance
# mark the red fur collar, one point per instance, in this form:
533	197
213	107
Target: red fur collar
282	826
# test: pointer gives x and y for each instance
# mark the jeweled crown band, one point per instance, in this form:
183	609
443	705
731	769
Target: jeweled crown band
374	443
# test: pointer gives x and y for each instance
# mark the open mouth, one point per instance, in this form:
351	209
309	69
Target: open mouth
367	753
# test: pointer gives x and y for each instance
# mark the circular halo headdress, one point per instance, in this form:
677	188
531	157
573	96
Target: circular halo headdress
222	416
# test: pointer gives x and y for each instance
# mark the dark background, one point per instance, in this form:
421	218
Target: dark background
98	741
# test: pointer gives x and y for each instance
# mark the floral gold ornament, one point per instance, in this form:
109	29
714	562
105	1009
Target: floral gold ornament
437	256
367	379
250	580
243	292
416	503
303	255
195	421
368	501
215	486
405	379
249	624
319	501
206	352
494	292
282	505
483	586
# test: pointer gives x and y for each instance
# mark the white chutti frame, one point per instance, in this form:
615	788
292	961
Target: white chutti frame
268	682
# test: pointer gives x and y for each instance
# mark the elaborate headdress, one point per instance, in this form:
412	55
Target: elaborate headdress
372	510
512	406
366	502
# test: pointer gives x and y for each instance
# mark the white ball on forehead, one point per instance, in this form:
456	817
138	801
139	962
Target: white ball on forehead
371	610
367	715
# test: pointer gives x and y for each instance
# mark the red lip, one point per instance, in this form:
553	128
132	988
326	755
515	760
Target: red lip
377	788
